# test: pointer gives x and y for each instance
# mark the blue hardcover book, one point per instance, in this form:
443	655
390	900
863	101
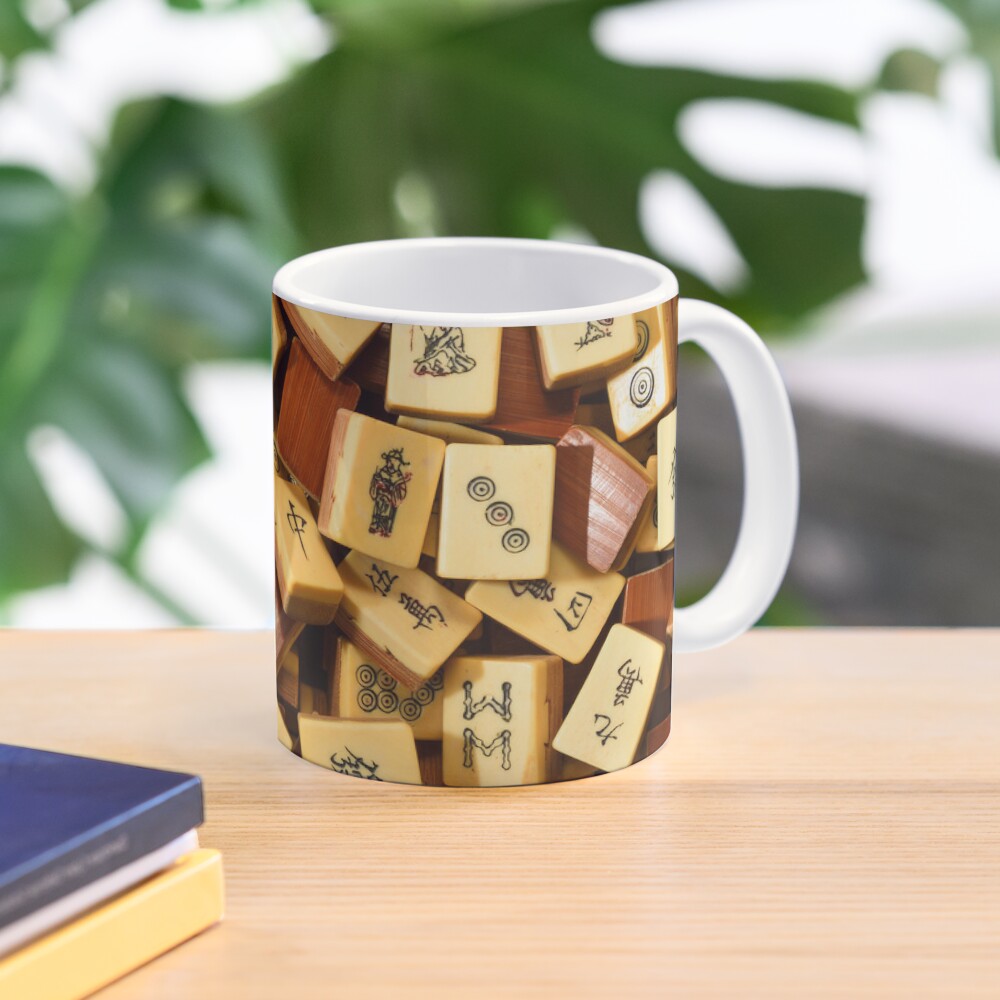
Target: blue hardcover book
66	822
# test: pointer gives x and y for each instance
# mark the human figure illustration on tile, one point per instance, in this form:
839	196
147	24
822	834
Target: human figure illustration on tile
388	490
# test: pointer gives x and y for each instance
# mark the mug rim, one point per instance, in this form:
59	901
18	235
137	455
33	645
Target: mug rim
663	286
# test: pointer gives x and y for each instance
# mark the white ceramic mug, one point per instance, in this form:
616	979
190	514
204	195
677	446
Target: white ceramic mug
475	464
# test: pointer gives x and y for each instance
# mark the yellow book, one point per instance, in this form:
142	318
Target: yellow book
123	934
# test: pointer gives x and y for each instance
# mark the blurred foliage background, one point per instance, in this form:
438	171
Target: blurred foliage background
444	116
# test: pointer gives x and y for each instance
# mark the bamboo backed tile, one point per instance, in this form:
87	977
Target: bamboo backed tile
286	630
607	721
602	495
379	489
376	751
562	612
640	393
450	433
524	407
429	761
402	618
332	341
370	368
364	690
648	603
497	719
308	581
496	511
443	372
310	403
666	447
574	354
657	736
288	679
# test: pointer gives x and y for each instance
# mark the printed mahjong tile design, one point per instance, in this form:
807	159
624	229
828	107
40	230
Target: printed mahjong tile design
474	573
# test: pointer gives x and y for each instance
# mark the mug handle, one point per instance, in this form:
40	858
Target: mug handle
770	479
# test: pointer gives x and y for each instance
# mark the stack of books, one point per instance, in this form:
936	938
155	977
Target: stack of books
100	871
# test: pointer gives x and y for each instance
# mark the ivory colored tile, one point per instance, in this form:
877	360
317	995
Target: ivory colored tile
602	496
376	751
444	371
524	407
640	393
666	447
577	353
310	403
496	511
608	718
364	690
379	488
562	612
498	719
308	580
448	432
333	341
403	618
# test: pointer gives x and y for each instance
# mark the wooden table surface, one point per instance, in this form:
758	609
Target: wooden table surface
825	820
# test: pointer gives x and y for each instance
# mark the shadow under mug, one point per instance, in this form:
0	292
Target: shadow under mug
475	470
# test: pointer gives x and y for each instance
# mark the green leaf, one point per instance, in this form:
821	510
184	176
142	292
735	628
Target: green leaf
198	228
106	301
17	35
517	120
128	413
36	549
